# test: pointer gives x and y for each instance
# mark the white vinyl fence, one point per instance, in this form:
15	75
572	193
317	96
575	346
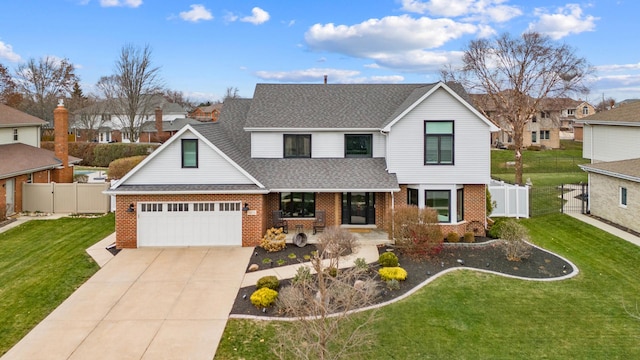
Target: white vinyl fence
509	200
75	198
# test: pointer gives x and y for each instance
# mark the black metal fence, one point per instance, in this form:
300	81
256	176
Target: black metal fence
565	198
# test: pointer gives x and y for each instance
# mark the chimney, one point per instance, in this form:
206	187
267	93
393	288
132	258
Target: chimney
159	121
61	144
325	79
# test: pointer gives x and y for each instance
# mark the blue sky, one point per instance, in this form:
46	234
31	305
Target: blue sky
205	46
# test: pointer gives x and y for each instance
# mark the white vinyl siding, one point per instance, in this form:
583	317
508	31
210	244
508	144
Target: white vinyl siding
324	144
166	168
471	144
29	135
604	142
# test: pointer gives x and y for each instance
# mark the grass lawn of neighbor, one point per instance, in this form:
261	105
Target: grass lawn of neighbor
41	263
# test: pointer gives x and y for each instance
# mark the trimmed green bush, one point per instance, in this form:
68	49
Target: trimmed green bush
388	259
469	237
264	297
118	168
270	282
393	273
453	237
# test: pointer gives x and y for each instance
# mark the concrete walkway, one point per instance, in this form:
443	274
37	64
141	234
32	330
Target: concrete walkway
606	227
144	304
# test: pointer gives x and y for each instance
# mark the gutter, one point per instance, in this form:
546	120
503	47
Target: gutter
187	192
609	173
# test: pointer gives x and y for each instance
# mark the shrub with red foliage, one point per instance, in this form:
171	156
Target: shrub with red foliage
416	232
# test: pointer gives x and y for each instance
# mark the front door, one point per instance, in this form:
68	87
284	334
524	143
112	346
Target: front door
358	208
10	197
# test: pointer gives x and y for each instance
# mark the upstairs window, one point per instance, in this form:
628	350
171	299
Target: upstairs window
571	112
544	115
358	145
15	134
585	110
438	142
623	196
189	153
297	146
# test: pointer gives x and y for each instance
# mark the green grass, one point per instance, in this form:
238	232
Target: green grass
468	315
41	263
547	167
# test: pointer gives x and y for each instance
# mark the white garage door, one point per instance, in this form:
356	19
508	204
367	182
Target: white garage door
189	223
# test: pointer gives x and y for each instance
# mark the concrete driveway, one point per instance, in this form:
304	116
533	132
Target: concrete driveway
144	304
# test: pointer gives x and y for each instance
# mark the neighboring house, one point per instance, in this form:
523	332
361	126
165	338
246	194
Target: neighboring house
206	113
99	123
544	127
352	152
22	159
160	130
611	142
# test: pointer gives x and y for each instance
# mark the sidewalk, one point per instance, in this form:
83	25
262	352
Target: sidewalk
21	219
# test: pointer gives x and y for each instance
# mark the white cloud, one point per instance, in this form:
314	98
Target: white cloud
616	67
258	16
372	66
377	37
567	20
6	52
230	17
316	75
127	3
198	12
476	10
419	60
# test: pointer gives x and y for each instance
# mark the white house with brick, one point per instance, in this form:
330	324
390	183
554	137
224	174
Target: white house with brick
611	142
348	152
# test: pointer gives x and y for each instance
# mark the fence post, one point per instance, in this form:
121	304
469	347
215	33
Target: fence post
562	199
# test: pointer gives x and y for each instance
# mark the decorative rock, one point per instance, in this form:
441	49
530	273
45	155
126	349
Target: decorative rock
358	285
253	267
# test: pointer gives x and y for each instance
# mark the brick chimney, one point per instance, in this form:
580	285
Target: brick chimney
158	123
61	141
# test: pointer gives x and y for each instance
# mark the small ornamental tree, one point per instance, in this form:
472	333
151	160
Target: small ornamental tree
416	231
515	237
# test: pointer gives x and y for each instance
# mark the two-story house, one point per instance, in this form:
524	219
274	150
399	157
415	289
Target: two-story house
353	152
206	113
105	122
543	129
23	161
611	142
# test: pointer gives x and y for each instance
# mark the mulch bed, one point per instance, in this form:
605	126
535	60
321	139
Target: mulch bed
486	255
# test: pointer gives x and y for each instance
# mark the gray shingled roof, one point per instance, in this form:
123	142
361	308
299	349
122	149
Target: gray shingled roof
307	106
335	174
20	158
627	113
10	117
626	169
197	188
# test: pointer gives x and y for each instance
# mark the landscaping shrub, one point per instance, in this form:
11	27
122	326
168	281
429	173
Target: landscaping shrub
264	297
469	237
496	228
332	271
361	264
104	154
82	150
388	259
302	276
393	273
338	240
273	240
270	282
453	237
515	236
416	232
118	168
393	284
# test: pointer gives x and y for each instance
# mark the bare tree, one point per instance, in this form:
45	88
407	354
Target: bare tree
180	98
605	104
90	116
8	88
232	92
129	91
322	304
42	82
517	74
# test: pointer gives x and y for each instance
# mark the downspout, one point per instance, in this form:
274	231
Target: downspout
393	217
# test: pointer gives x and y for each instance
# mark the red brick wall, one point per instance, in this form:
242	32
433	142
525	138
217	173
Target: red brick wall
126	223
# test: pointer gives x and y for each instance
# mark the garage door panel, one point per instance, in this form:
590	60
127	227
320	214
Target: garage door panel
190	224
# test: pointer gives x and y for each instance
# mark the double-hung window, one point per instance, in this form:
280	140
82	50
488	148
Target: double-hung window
534	137
15	134
297	146
298	204
189	153
438	142
545	135
357	145
440	201
412	197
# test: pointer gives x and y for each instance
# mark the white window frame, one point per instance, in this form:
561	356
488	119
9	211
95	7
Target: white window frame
623	196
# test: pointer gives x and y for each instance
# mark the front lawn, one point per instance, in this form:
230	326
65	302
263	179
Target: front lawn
468	315
41	263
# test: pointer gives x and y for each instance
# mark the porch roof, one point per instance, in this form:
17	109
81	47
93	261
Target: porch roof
18	159
326	175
